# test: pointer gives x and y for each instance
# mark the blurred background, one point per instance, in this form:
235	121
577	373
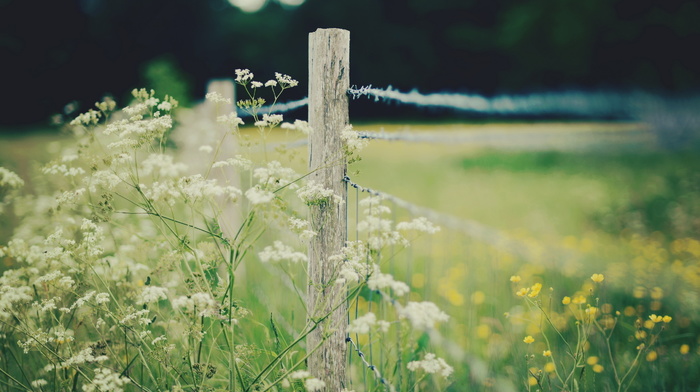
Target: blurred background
56	52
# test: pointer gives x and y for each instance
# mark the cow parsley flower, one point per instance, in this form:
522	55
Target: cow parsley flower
353	142
422	315
431	364
198	304
285	81
299	125
259	196
314	384
419	224
216	97
362	324
106	380
243	76
378	281
151	294
314	193
9	179
281	252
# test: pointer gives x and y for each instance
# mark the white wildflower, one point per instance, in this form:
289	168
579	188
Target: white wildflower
259	196
217	98
102	298
431	364
419	224
237	161
276	175
230	119
299	125
280	252
299	374
151	294
314	193
362	324
106	380
352	139
272	120
379	281
38	383
271	83
422	315
198	304
285	80
243	76
314	384
255	84
162	165
9	179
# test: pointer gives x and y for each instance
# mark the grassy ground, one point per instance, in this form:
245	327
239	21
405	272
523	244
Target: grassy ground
624	213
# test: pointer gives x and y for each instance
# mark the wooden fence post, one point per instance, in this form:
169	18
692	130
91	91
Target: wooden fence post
329	80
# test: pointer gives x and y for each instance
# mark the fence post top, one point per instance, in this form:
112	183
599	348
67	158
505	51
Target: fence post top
330	30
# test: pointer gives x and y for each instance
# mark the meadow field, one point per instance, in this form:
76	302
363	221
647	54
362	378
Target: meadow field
542	221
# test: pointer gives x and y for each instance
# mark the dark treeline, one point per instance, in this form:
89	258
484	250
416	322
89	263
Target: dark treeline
53	52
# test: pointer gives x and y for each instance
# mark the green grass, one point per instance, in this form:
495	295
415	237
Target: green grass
576	213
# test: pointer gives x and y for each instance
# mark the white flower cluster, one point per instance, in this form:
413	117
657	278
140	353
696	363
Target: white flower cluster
91	117
238	161
422	315
9	179
420	224
281	252
63	169
256	195
380	232
82	357
431	364
106	380
198	304
151	294
379	281
243	76
162	165
312	384
13	292
285	80
363	324
191	189
353	261
302	228
314	193
299	125
276	175
216	97
269	120
231	120
353	142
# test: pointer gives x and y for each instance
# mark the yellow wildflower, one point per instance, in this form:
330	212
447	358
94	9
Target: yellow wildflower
597	278
592	360
550	367
522	292
528	339
535	290
598	368
652	356
685	349
547	353
566	300
655	318
579	300
667	319
515	278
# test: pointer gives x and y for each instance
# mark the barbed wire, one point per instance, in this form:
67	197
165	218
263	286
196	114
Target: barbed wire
370	366
570	103
476	230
